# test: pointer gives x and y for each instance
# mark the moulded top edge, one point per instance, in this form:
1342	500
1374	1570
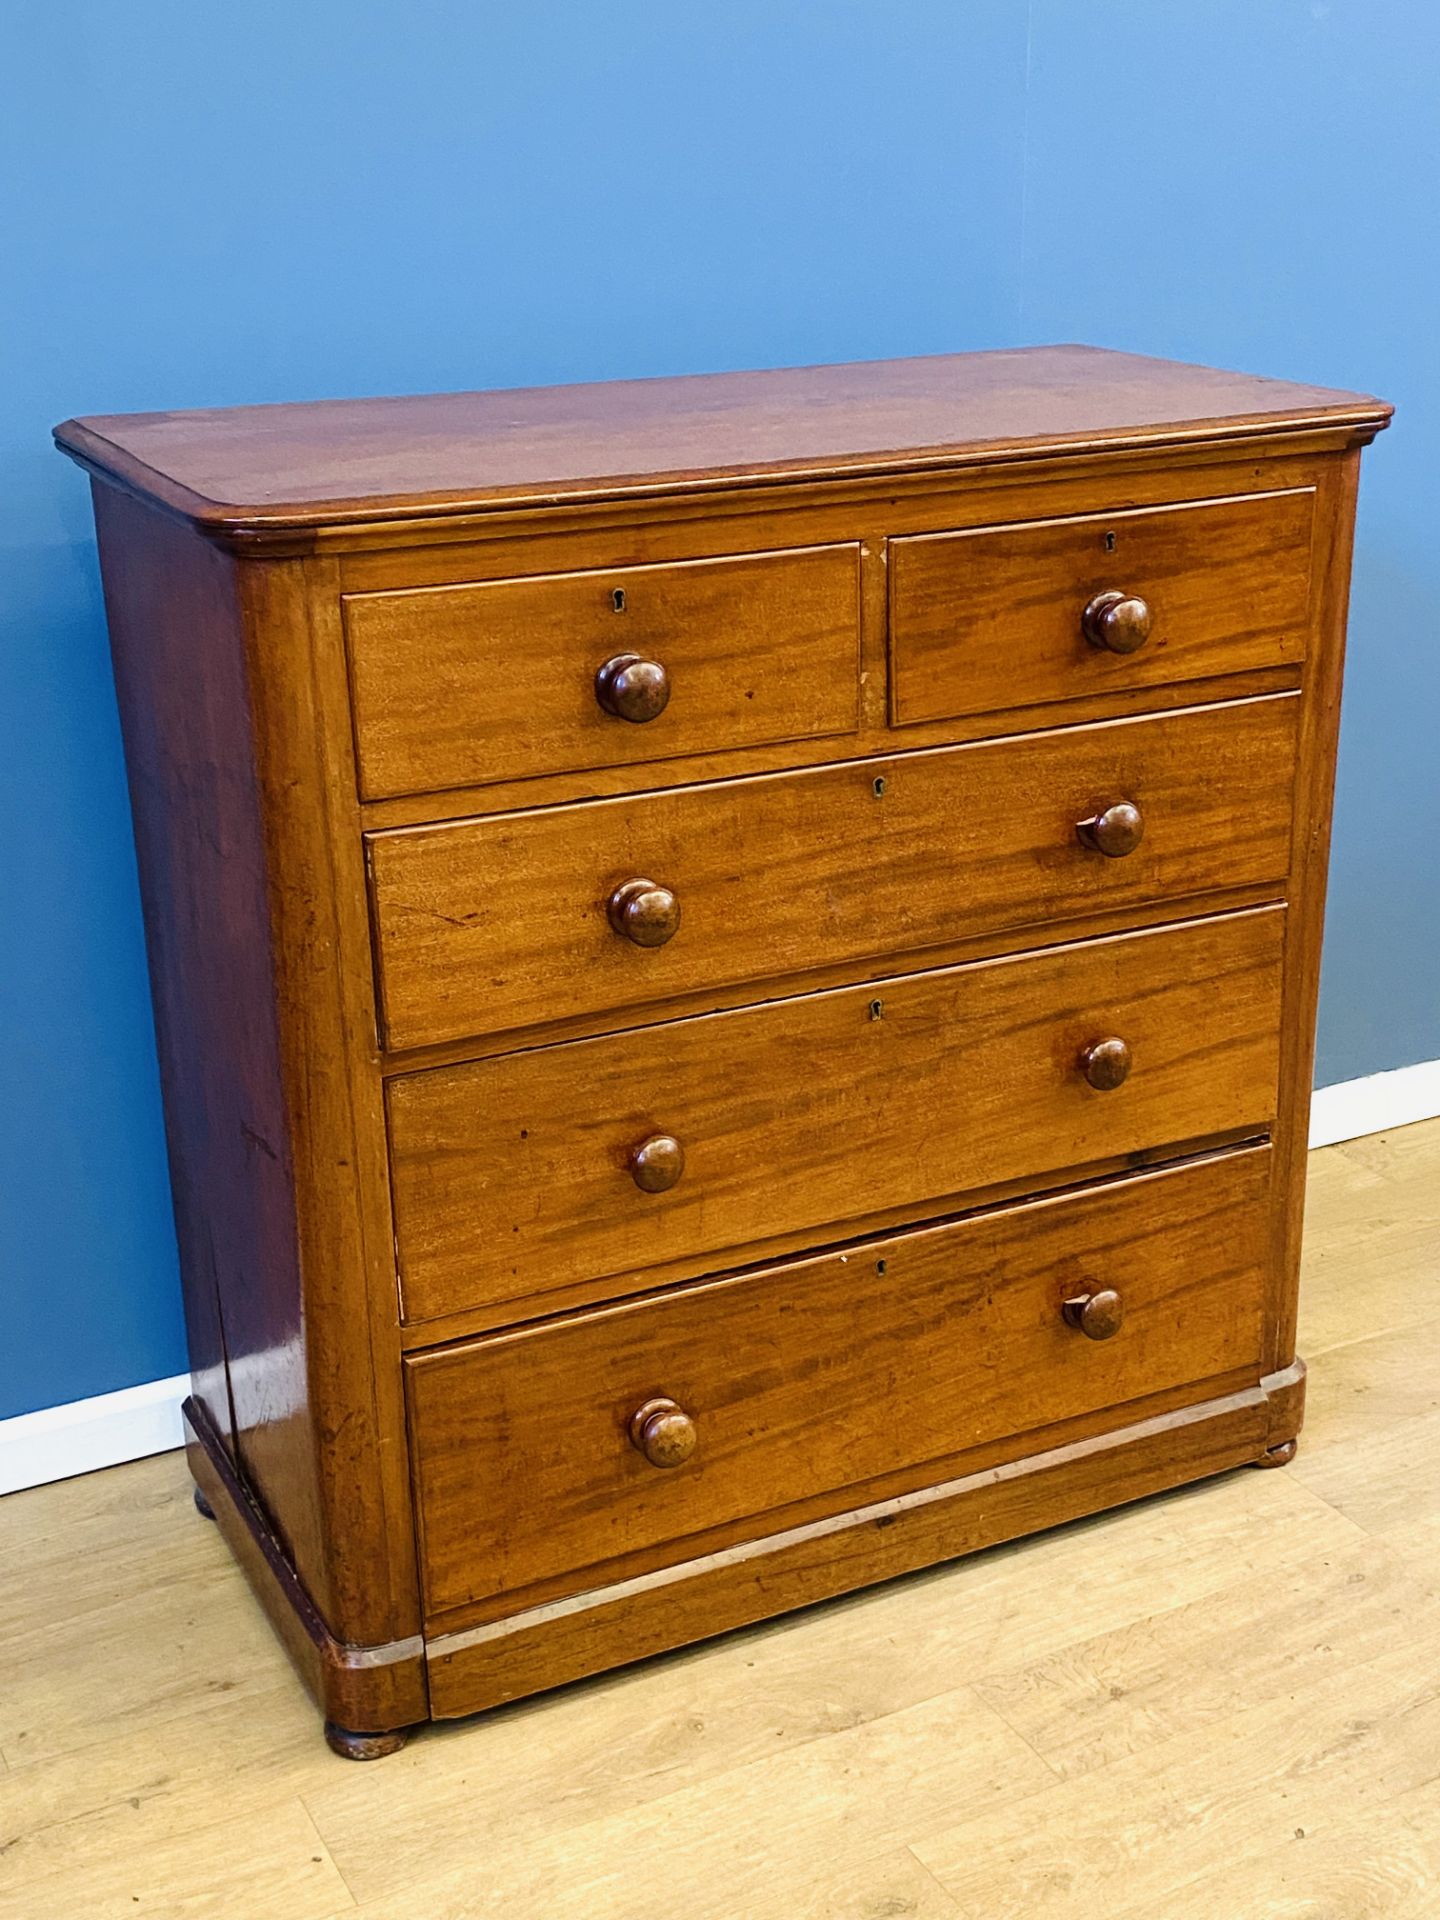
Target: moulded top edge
297	467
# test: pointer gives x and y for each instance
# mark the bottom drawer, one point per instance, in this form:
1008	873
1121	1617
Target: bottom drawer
807	1381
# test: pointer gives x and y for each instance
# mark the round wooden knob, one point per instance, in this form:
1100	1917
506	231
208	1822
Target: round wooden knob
1119	622
633	688
1106	1063
657	1163
644	912
1115	832
1098	1316
663	1432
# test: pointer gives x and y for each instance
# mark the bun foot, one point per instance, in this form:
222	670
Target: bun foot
1280	1456
364	1746
203	1506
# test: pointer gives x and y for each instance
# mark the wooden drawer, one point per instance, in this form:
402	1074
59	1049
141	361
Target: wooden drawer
995	617
453	686
805	1382
517	1176
488	925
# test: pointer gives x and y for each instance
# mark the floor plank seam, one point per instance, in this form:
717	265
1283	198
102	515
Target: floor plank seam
310	1815
1235	1704
938	1884
1296	1484
323	1844
1315	1355
996	1713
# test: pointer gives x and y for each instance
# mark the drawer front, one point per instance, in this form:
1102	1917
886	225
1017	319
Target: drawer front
453	686
811	1379
996	618
544	1169
488	925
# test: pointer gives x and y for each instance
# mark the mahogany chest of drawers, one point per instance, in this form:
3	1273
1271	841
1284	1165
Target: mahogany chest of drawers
734	963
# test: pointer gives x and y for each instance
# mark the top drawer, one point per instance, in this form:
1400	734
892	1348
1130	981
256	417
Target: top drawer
457	686
1002	617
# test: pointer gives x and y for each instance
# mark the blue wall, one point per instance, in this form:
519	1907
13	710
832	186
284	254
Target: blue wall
211	206
1274	204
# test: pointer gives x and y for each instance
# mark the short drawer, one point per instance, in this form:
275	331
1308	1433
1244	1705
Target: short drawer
1003	617
802	1383
488	925
676	1145
453	686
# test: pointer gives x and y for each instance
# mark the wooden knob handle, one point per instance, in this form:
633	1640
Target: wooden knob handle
1119	622
1106	1063
644	912
663	1432
1115	832
657	1163
1097	1315
633	688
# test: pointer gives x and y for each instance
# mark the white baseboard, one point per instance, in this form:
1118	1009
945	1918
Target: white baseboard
60	1441
57	1442
1375	1104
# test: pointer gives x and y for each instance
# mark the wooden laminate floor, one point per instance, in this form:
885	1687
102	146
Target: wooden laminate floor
1223	1702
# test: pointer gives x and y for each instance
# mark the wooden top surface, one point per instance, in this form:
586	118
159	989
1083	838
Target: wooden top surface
329	462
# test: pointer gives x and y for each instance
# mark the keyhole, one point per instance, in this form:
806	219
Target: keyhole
1109	543
617	600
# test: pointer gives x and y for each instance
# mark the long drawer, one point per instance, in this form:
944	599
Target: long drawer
498	679
535	1450
679	1144
487	925
1066	609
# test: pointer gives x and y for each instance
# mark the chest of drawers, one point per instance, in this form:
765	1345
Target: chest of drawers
734	965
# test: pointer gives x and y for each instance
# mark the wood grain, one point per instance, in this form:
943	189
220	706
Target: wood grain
1126	1691
357	1687
177	640
1310	851
548	1646
818	1376
258	954
492	924
983	618
324	993
454	685
288	467
457	549
510	1175
750	1005
515	545
158	1746
605	1756
1193	1807
269	1860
